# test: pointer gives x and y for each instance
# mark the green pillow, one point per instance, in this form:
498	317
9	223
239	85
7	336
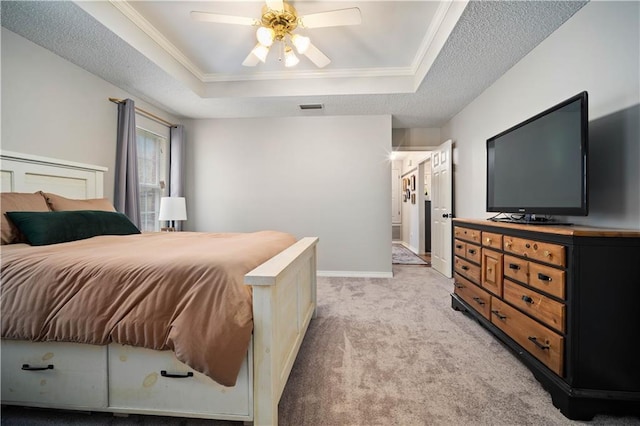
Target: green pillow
43	228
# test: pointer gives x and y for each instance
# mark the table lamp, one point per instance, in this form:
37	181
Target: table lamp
172	209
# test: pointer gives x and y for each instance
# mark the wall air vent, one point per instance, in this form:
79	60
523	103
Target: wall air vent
306	107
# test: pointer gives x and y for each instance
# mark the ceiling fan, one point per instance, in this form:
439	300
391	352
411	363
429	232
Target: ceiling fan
277	23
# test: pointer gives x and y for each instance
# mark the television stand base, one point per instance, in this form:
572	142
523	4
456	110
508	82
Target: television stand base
549	222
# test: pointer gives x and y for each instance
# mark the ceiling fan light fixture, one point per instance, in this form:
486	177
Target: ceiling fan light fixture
301	43
290	58
265	36
261	51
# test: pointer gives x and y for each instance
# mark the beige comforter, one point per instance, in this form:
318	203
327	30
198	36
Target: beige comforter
181	291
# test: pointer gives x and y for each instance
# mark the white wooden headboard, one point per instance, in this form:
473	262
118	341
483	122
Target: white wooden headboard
30	173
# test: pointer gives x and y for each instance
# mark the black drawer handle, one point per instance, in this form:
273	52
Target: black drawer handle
514	266
527	299
479	301
164	373
538	344
464	268
472	251
543	277
458	285
458	246
27	367
499	315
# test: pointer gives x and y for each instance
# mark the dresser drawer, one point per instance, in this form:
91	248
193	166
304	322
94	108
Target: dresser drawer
492	271
467	269
73	375
553	254
473	253
516	268
489	239
547	279
460	248
136	381
479	299
467	234
541	307
546	345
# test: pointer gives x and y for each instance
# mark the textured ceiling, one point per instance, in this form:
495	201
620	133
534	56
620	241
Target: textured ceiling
488	39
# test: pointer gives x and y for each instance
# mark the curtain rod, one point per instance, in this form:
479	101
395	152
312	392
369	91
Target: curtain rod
146	113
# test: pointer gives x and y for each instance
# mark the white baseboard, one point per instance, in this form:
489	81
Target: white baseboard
355	274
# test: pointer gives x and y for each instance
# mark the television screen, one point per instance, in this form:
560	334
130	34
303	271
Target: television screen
540	165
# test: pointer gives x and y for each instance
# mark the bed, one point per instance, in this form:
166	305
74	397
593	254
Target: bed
113	374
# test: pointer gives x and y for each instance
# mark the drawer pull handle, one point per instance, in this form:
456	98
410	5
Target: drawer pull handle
464	267
538	344
527	245
458	285
164	373
543	277
488	240
27	367
472	251
458	246
479	301
499	315
527	299
508	244
547	253
514	266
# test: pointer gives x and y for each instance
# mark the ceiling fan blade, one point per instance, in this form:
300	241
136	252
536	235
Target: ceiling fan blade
275	4
223	19
316	56
332	18
251	60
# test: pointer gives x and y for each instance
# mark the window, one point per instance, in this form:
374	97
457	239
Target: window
153	169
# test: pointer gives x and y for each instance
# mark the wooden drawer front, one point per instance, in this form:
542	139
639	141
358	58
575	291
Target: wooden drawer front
544	252
467	269
537	339
467	234
479	299
492	271
78	378
460	248
536	305
547	279
136	382
492	240
473	253
516	268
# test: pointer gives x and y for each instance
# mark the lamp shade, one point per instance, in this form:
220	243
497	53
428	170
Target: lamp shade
173	208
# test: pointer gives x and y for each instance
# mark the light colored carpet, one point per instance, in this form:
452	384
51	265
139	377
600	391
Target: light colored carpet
401	255
388	352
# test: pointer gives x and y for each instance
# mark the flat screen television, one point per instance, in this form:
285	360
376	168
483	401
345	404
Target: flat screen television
538	168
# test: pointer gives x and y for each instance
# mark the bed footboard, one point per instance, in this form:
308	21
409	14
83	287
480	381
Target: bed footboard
284	301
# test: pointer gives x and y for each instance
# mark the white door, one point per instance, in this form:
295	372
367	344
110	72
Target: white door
396	216
442	206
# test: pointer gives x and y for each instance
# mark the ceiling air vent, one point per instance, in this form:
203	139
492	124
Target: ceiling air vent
307	107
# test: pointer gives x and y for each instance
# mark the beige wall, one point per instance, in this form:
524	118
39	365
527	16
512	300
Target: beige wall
597	50
311	176
53	108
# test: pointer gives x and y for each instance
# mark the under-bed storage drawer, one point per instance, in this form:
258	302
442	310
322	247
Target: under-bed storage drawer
54	374
137	384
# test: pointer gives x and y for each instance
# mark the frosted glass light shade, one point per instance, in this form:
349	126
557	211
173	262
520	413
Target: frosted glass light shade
265	36
290	58
173	208
301	43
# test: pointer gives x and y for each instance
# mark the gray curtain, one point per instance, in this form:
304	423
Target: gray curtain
176	165
126	192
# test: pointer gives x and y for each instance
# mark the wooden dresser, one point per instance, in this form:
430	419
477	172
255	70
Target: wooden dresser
565	299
